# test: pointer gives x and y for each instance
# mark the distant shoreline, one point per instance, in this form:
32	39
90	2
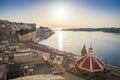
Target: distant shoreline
108	30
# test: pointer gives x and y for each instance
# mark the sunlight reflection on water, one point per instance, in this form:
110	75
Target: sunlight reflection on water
106	45
60	40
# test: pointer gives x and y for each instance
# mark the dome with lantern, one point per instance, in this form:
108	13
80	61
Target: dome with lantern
90	62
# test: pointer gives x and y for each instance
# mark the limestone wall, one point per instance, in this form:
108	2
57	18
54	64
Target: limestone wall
29	36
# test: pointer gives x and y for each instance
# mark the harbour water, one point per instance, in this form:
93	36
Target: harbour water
106	45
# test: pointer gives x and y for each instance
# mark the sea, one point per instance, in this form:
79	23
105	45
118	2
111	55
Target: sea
106	46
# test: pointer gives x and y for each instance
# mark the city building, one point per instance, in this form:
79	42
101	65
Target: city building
23	55
8	57
14	32
13	46
8	30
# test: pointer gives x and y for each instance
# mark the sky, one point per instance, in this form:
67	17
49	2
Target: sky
62	13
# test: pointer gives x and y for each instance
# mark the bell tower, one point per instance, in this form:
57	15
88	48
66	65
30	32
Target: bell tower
90	50
83	51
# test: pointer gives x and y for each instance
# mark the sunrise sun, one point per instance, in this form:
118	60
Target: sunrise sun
60	14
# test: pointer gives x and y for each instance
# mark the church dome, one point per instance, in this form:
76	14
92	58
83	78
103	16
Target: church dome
90	62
